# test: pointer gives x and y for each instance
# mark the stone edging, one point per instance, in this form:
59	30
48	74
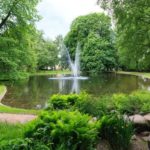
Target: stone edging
3	94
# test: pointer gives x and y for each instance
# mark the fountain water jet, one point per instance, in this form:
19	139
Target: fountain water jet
74	66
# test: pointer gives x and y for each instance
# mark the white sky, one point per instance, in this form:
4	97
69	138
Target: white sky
58	14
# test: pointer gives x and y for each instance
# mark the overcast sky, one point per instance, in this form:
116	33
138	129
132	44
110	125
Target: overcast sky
58	14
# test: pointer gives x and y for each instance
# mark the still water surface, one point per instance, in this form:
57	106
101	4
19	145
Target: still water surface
35	92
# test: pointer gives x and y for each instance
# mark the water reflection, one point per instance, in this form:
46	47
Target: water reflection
75	86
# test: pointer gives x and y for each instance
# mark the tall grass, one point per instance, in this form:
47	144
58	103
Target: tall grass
10	131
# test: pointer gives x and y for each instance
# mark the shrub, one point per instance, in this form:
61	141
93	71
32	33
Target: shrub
97	107
24	144
117	131
136	102
63	101
64	129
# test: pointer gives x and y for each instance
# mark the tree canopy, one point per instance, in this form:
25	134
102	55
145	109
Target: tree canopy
95	36
47	54
17	37
133	32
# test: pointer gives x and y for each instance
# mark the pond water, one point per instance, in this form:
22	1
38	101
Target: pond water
35	92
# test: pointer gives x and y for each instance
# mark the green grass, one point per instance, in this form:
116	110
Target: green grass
51	72
143	74
2	89
7	109
10	131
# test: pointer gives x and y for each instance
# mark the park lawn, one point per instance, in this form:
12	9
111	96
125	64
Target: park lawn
7	109
51	72
141	74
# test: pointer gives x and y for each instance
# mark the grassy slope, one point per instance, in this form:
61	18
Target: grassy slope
7	109
143	74
2	89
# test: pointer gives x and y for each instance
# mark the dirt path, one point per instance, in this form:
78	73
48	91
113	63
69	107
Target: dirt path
16	118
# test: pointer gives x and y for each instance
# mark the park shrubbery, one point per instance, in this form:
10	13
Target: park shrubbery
117	131
136	102
68	129
72	122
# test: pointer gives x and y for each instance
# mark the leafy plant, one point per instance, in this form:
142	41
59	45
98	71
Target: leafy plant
62	101
96	106
24	144
73	129
136	102
117	131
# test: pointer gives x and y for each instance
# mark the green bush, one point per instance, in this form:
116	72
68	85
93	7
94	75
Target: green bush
62	101
117	131
23	144
64	129
96	106
136	102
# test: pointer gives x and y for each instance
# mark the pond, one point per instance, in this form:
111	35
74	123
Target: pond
35	92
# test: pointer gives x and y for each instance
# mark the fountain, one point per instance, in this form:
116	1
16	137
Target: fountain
74	66
75	70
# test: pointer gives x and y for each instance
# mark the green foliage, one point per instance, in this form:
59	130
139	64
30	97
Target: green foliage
96	107
23	144
18	38
47	53
117	131
136	102
75	130
133	32
66	101
10	131
94	33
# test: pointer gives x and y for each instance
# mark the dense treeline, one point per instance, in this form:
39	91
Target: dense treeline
22	47
133	32
17	39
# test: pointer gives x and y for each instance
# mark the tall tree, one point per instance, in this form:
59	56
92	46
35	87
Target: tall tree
18	37
47	54
132	19
94	33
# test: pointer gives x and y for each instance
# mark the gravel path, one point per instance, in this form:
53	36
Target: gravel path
16	118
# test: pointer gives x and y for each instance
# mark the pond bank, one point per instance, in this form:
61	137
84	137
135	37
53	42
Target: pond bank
141	74
7	109
3	91
14	115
